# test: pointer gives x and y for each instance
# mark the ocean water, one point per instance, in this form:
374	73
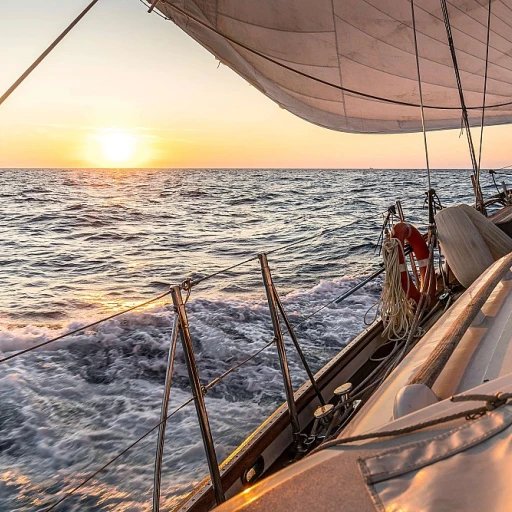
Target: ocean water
77	245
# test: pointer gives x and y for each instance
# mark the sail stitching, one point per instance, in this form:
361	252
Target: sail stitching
319	80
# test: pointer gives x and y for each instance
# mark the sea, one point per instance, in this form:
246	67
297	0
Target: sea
81	245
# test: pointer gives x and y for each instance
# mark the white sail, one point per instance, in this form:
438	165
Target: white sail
308	55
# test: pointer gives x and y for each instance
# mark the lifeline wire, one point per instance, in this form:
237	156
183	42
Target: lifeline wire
227	269
48	50
324	232
84	327
316	79
161	296
222	271
210	385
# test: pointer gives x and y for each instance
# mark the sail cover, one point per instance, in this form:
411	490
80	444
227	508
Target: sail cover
335	62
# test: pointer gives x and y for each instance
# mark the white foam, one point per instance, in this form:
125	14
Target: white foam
80	401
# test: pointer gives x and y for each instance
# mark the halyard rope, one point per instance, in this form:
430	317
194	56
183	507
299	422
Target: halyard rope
485	91
421	94
464	109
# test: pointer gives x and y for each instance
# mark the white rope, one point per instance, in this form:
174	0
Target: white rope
396	310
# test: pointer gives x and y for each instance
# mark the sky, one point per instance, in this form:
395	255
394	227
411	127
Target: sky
128	89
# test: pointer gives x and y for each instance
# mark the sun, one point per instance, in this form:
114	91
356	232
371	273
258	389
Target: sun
117	147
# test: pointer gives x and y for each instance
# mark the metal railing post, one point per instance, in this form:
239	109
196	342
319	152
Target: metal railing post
272	304
297	346
197	392
163	417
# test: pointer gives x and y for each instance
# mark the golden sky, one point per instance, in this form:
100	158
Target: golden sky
128	89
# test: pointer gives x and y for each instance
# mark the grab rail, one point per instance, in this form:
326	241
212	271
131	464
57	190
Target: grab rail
436	361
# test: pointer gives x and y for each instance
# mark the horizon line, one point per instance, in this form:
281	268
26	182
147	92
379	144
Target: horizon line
239	168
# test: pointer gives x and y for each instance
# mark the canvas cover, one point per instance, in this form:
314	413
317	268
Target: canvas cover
463	464
300	52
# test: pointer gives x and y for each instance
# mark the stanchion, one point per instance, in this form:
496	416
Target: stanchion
197	392
163	417
272	304
297	346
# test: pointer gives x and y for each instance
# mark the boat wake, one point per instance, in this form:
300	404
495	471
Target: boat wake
72	405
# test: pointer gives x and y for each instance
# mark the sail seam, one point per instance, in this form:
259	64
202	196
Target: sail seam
319	80
439	40
424	58
273	28
338	58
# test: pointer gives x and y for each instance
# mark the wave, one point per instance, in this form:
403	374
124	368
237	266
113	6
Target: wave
80	400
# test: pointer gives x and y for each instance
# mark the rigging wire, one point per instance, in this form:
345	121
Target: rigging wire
48	50
342	297
421	94
209	386
84	327
477	189
311	77
195	282
485	90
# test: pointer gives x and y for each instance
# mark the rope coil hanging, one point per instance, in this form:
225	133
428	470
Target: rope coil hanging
396	309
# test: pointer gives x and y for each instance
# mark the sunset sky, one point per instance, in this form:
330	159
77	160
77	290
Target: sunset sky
129	89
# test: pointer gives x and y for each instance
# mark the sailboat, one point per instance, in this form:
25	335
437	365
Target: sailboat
414	413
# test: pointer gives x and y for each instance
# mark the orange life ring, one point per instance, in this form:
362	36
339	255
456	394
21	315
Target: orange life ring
404	231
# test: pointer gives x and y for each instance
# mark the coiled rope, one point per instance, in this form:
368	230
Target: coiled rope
395	308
